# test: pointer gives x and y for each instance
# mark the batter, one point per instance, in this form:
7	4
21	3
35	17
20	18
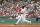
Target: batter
22	16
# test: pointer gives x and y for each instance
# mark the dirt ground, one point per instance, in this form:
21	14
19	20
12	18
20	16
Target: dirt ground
20	25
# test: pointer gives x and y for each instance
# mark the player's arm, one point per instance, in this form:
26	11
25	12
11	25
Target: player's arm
19	11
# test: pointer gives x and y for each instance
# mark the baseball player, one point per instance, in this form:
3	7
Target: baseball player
22	16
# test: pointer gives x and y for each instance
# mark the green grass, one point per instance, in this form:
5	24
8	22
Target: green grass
29	23
19	23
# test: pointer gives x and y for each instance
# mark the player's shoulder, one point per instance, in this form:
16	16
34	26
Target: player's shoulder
25	7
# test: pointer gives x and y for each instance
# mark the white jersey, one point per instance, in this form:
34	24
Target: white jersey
23	10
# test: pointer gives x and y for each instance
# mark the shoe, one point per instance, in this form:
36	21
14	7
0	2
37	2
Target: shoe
15	24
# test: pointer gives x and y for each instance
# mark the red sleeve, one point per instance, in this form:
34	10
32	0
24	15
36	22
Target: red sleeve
19	10
14	8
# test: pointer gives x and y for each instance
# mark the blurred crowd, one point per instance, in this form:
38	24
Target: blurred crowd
10	8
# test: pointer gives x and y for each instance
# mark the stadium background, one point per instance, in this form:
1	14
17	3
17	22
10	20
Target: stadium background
9	19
